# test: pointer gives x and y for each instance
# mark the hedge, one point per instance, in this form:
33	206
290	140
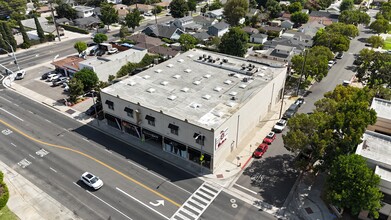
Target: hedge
4	196
74	29
1	177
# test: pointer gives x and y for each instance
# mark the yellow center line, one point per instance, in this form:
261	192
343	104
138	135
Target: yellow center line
94	159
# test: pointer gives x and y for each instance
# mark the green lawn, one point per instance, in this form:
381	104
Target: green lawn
6	214
387	44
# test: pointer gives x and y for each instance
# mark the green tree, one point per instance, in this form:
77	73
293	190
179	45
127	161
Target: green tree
374	69
216	4
187	42
88	78
274	8
353	185
157	9
346	5
12	8
376	41
76	89
80	46
335	41
354	17
385	11
64	10
234	42
124	31
234	10
7	35
100	38
191	5
348	30
380	26
295	7
109	14
178	8
133	19
41	34
26	40
299	18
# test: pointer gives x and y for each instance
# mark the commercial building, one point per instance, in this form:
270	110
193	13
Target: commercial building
198	106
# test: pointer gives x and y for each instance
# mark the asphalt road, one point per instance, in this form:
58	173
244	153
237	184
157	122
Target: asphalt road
133	179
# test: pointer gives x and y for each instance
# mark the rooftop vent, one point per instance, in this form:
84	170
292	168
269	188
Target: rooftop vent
204	55
164	83
187	70
190	55
171	97
228	82
236	75
243	86
170	65
131	83
158	71
217	89
218	114
176	76
197	82
225	60
207	97
200	58
207	76
233	93
261	74
185	89
180	60
231	74
264	67
245	79
230	104
151	90
146	77
195	105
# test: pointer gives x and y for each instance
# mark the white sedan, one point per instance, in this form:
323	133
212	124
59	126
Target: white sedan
20	74
280	125
91	180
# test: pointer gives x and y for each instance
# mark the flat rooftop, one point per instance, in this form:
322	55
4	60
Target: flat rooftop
382	107
203	87
376	147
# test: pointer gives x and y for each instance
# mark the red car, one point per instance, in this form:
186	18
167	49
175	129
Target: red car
269	138
262	148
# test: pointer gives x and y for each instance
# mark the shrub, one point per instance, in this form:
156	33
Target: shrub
4	196
1	177
74	29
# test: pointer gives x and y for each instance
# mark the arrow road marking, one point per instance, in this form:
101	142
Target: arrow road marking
158	202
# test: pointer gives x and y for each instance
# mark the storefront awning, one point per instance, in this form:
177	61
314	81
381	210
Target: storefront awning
173	127
108	102
149	118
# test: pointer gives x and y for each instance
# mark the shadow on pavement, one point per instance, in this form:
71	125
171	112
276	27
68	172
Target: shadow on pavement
274	177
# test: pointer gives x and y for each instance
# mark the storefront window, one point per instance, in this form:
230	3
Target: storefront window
132	129
152	136
175	148
113	121
194	155
207	161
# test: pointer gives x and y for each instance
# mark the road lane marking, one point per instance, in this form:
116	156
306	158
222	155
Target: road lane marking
53	169
142	203
108	151
158	176
93	159
13	144
109	205
11	114
76	184
48	121
16	104
31	112
86	139
5	99
242	187
31	156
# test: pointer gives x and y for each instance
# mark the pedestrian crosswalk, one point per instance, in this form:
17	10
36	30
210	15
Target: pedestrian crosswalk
197	203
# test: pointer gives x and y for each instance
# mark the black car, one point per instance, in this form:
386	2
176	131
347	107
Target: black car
291	111
91	111
299	101
45	75
339	55
100	53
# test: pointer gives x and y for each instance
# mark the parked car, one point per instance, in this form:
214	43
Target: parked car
91	94
60	81
291	111
339	55
91	180
357	62
269	138
45	75
261	150
20	74
299	101
66	87
332	63
112	50
280	125
100	53
53	76
346	82
94	109
148	14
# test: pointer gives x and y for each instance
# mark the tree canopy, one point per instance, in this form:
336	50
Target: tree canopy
274	8
80	46
26	40
192	5
133	19
234	42
385	11
7	38
374	69
336	126
178	8
109	14
295	7
216	4
64	10
376	41
88	78
76	89
12	9
187	42
380	26
336	41
40	32
234	10
353	185
346	5
299	17
354	17
100	38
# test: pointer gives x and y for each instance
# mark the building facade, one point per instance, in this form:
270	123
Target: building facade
198	106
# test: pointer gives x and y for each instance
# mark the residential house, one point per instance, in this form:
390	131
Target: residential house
252	12
163	31
166	52
333	9
299	36
258	38
205	22
84	11
250	30
144	41
275	23
122	10
285	16
218	14
65	21
281	53
286	3
305	11
277	30
218	29
142	8
165	4
314	24
298	46
202	36
87	23
186	24
287	24
115	1
46	27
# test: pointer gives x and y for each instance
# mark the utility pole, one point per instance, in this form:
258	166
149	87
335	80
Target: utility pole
12	49
302	72
54	20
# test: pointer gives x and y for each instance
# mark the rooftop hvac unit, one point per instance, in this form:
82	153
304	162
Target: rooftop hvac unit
233	98
200	58
231	74
245	79
225	60
204	55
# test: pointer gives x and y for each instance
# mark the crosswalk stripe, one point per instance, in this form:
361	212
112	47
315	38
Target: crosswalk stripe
207	191
182	216
198	205
189	213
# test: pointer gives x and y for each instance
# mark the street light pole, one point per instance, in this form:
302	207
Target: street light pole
13	52
302	72
93	100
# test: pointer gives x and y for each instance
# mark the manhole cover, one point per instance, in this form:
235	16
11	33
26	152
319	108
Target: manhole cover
220	176
70	111
309	210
